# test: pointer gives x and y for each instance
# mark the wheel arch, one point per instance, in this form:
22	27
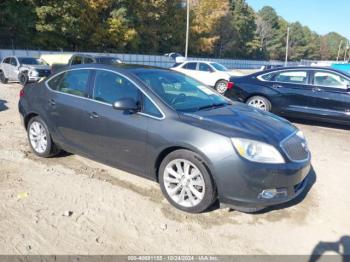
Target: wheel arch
257	94
28	117
221	79
168	150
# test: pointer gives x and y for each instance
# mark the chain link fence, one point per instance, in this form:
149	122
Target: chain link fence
153	60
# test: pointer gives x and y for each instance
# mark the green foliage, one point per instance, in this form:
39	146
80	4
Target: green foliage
221	28
17	22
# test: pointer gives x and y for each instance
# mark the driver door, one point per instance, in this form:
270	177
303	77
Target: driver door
13	69
117	137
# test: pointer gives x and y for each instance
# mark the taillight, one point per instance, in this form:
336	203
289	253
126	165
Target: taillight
21	93
230	85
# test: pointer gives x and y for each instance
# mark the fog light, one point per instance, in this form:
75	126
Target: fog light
268	193
273	193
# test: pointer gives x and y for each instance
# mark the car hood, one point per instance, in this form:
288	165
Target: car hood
45	67
240	120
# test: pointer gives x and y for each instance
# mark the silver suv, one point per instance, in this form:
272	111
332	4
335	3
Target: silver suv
23	69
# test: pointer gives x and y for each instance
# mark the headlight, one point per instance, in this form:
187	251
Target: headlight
34	73
301	135
257	151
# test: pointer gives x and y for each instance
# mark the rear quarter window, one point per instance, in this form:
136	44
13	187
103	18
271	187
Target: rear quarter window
267	77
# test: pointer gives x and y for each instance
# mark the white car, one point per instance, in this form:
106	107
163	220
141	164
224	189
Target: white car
210	73
23	69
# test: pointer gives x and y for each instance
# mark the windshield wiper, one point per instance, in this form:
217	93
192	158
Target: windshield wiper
212	106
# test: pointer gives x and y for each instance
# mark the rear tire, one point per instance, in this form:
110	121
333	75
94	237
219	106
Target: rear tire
3	79
40	139
221	86
260	102
186	182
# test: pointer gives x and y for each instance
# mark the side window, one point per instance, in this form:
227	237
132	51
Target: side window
74	82
190	66
13	61
110	87
76	60
7	60
204	67
149	108
88	60
330	80
293	77
54	82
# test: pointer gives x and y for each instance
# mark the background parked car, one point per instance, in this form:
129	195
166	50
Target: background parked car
302	92
268	67
23	69
78	59
210	73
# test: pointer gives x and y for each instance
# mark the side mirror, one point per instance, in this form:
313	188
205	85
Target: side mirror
126	104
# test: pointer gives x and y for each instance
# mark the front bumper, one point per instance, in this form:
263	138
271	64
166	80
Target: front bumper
243	183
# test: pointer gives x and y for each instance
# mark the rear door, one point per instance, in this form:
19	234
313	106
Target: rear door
294	90
190	69
68	109
331	95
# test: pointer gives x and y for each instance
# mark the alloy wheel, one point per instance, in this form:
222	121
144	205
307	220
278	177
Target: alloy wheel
184	183
38	137
221	87
258	103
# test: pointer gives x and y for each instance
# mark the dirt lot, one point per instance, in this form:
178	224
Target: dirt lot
119	213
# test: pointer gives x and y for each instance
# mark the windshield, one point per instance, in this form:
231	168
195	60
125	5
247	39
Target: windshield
31	61
219	67
180	92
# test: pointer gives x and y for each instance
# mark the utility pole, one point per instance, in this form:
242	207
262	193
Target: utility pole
346	50
287	47
187	27
341	42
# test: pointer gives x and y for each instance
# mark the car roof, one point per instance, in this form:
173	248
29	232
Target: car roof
299	68
122	68
198	61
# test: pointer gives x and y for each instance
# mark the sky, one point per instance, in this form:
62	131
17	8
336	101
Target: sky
321	16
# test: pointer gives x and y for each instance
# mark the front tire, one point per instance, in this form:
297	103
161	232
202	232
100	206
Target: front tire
260	102
186	182
23	79
3	79
39	138
221	86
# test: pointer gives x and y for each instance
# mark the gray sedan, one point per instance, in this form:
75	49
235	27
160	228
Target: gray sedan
165	126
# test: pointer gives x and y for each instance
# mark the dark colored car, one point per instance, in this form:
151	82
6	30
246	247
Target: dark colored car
82	59
165	126
90	59
302	92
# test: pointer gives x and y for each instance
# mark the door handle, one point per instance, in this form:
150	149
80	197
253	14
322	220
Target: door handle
94	115
316	89
52	102
276	86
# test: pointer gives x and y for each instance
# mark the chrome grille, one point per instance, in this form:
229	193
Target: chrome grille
295	148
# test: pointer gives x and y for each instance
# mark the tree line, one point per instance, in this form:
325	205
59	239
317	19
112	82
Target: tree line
220	28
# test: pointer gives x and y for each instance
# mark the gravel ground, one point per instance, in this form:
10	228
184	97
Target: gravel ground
71	205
